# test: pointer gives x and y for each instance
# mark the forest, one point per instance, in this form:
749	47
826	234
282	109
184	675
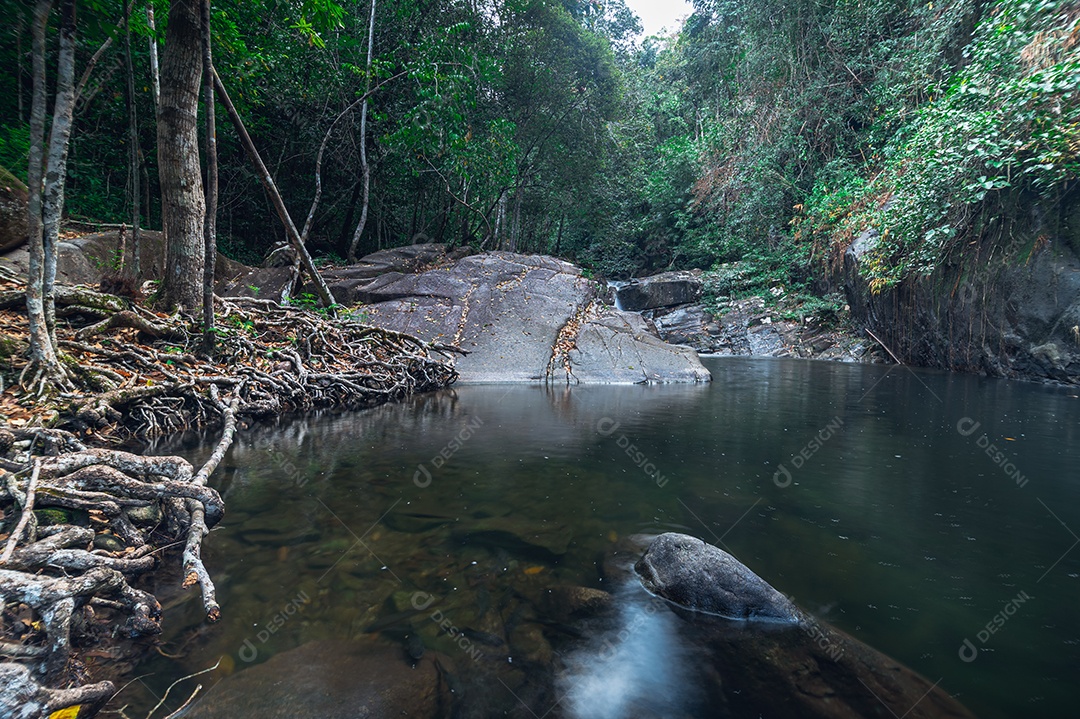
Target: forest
766	132
888	164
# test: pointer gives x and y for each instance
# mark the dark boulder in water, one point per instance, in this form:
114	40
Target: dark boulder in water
699	576
790	665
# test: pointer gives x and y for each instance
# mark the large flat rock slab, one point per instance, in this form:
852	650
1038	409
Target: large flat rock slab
523	318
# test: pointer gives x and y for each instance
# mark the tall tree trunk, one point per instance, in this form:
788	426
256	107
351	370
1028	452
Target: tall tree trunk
133	139
515	223
210	224
56	160
43	358
363	144
182	200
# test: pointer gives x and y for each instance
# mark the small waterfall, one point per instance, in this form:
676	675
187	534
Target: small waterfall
616	285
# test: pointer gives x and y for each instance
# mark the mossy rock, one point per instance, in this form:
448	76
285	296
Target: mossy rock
108	542
52	517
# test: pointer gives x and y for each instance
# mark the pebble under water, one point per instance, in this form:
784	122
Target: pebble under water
455	550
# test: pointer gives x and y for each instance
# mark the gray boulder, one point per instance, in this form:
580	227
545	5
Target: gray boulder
86	260
524	318
704	578
663	290
13	215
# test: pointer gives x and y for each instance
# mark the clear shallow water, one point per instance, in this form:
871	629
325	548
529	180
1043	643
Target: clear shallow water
887	519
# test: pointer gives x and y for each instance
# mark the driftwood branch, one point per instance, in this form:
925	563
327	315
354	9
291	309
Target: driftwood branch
27	513
194	569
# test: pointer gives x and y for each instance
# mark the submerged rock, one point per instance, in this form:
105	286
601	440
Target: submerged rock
328	680
564	603
699	576
795	667
518	535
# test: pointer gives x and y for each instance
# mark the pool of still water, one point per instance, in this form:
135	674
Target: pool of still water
869	494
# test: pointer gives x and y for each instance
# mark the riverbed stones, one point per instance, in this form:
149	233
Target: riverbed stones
698	576
517	535
565	603
328	679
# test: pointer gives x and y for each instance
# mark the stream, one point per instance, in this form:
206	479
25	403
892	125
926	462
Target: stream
929	515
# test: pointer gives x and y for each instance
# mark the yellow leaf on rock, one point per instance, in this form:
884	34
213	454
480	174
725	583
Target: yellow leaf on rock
66	713
533	570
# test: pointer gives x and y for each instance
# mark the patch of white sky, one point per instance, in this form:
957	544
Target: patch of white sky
658	15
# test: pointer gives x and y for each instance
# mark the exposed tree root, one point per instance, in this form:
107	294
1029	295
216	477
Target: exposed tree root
84	521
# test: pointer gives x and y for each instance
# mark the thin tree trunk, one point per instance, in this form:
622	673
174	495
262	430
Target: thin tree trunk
19	62
271	189
363	144
182	200
515	224
210	225
155	84
43	359
155	73
347	225
56	161
133	140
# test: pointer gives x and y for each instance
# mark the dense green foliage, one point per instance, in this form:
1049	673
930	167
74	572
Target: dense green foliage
811	122
767	133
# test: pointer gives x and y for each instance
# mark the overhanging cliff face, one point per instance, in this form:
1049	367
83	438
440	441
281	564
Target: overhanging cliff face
1007	304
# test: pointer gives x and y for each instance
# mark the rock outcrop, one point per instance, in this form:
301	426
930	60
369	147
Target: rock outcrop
13	212
516	318
704	578
666	289
521	318
85	260
750	329
1007	306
